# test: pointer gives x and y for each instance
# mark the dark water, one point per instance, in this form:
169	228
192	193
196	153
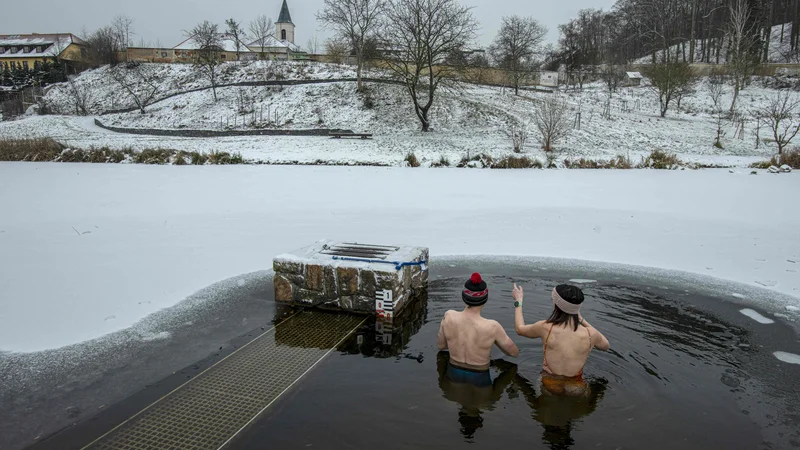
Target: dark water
678	376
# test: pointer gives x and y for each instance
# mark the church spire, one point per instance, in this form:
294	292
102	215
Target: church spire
284	16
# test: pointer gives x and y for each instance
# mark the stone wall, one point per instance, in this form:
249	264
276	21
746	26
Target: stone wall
346	285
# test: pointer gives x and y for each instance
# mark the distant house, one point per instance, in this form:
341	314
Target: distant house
633	79
187	50
29	51
275	48
279	46
548	78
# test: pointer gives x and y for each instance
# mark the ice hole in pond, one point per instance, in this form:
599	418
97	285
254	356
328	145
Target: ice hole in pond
674	376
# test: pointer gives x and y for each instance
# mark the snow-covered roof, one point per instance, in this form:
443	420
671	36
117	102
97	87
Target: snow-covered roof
37	45
226	40
634	75
273	42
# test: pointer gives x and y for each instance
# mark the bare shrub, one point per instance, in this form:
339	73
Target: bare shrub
519	135
140	81
552	119
80	96
780	115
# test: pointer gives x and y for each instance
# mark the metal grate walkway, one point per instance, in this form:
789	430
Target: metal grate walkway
209	410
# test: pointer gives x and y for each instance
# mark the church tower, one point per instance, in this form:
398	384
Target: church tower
284	28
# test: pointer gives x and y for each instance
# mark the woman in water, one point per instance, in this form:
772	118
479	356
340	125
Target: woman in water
568	338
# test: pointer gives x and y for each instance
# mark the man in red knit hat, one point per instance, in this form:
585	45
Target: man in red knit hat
470	338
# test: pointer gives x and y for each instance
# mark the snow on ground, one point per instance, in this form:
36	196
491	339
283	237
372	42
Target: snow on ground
779	49
106	94
90	249
469	121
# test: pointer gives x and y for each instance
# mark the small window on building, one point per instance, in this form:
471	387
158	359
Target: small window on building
163	54
26	49
283	35
13	49
25	65
2	50
37	65
222	56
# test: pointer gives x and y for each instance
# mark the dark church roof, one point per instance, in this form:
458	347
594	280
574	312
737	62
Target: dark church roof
284	16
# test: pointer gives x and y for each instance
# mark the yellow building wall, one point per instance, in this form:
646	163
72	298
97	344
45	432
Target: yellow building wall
71	53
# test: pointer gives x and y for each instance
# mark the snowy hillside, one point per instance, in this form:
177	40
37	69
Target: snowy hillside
385	109
779	49
105	94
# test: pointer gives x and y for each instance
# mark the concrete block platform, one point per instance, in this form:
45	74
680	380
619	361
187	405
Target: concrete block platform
352	277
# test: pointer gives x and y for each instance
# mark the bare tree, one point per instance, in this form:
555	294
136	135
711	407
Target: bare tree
668	80
354	21
336	51
123	27
743	58
261	31
612	77
235	34
781	115
423	33
209	45
515	47
313	45
552	119
80	94
140	81
716	89
104	46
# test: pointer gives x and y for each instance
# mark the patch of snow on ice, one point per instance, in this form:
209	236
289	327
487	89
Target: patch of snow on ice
786	357
156	336
755	315
582	281
737	295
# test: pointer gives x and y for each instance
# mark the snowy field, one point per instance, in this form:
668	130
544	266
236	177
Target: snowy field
91	249
467	121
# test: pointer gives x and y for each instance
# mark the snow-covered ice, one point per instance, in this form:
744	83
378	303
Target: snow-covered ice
149	236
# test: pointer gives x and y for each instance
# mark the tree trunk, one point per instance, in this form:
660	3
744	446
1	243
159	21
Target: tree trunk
359	63
736	88
423	117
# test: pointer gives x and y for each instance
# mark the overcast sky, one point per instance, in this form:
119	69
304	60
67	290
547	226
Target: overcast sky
164	21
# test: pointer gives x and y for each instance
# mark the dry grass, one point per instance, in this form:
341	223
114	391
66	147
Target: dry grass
659	159
49	150
619	162
791	158
484	160
225	158
442	162
30	149
516	162
412	160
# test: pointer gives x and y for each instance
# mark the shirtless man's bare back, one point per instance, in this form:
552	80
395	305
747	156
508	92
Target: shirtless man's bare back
470	337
